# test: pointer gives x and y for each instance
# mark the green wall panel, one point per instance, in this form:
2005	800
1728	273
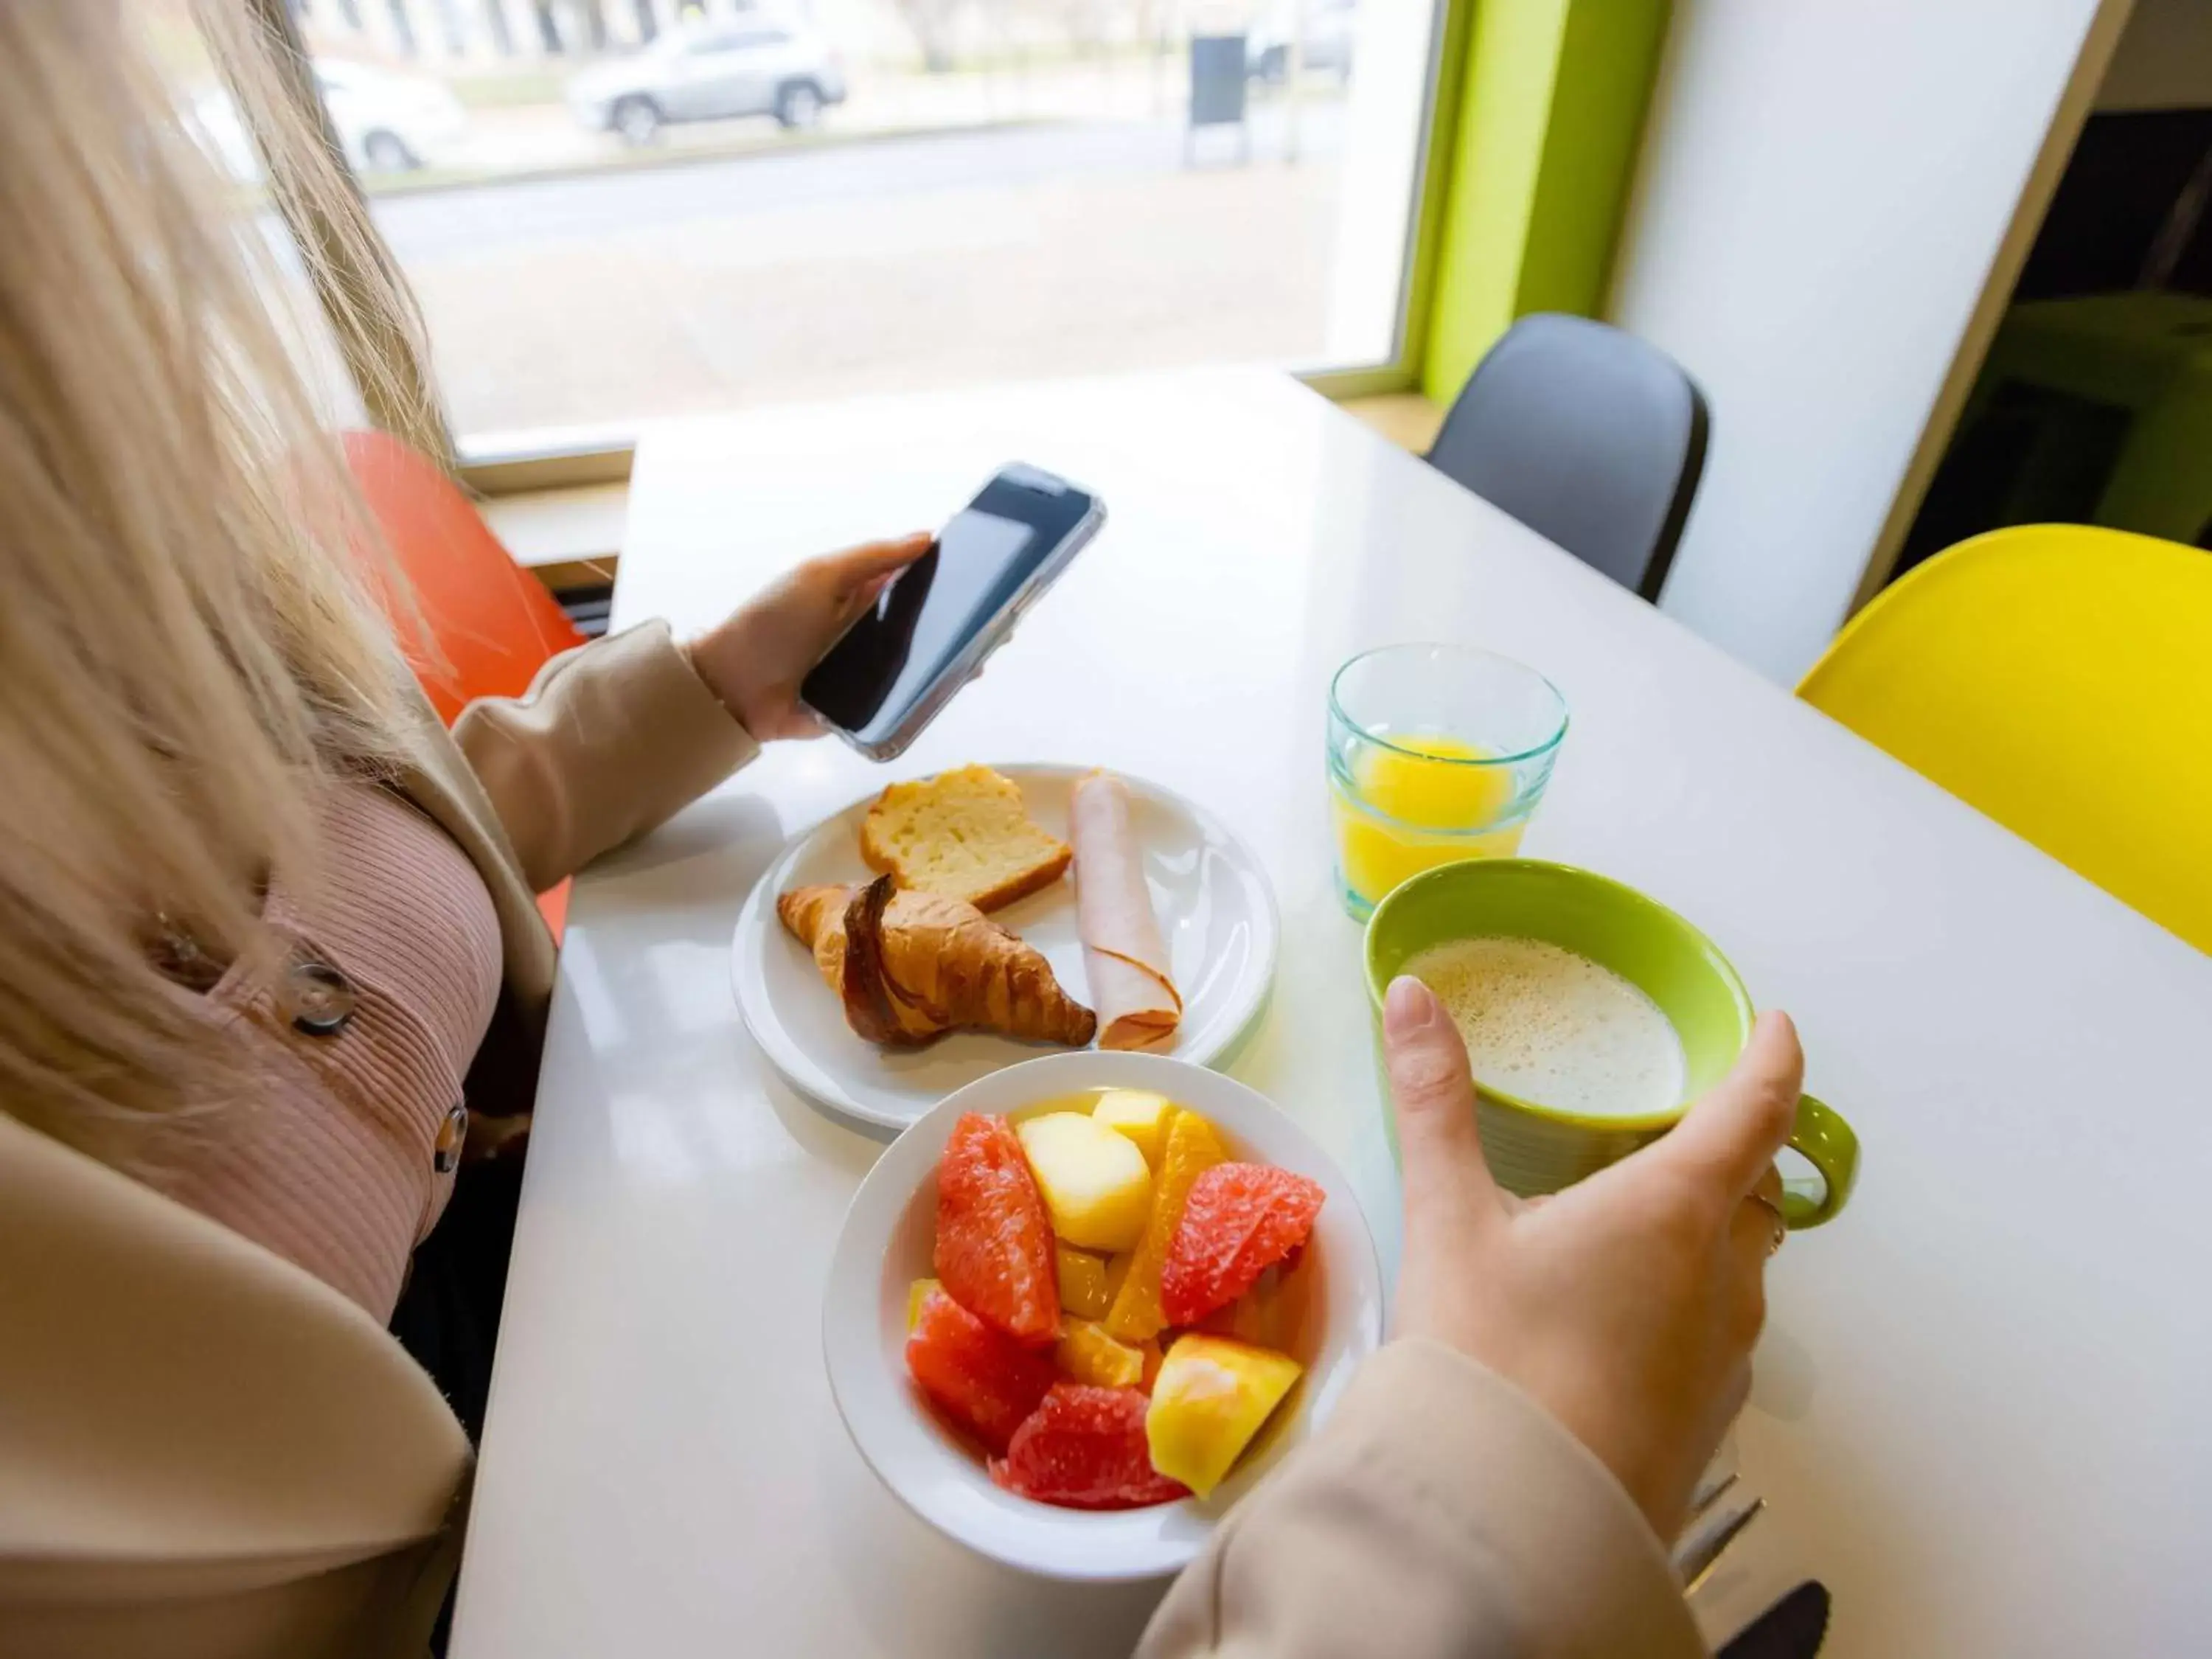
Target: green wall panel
1552	97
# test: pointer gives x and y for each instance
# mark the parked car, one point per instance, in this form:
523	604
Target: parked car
390	123
751	67
386	122
1330	26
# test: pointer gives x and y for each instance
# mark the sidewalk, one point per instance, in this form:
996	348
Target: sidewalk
1064	276
569	279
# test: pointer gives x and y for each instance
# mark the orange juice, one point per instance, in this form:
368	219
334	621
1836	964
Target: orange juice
1417	804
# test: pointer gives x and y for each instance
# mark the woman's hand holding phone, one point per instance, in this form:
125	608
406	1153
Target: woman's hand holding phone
755	662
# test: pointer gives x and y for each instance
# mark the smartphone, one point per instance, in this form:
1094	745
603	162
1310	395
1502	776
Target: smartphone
928	632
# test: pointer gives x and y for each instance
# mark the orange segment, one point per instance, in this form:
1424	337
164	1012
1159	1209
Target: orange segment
1150	1349
1259	1316
1192	1147
1085	1292
1089	1355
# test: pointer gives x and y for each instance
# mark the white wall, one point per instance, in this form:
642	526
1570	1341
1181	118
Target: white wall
2164	60
1823	188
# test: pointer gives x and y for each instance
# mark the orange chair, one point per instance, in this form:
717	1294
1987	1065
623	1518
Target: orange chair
493	622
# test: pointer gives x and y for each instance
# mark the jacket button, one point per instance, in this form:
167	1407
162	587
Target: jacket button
319	999
453	1134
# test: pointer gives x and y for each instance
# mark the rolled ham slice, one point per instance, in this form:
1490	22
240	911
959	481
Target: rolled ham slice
1123	955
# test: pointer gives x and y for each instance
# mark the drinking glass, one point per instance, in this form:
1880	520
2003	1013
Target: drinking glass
1436	753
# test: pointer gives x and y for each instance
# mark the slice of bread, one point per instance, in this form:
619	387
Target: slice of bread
965	834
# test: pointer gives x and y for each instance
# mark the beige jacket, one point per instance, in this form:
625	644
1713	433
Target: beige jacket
1439	1514
206	1452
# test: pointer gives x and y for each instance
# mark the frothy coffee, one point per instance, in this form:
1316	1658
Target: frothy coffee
1549	1026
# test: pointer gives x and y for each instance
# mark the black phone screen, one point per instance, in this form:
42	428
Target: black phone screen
914	633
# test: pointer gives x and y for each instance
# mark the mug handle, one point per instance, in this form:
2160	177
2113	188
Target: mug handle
1823	1140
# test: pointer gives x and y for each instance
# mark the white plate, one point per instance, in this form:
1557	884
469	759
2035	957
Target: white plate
1216	909
886	1243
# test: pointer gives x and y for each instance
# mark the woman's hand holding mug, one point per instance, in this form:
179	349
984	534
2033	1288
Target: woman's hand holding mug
1627	1305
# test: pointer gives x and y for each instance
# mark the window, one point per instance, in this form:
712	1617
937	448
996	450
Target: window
865	196
211	116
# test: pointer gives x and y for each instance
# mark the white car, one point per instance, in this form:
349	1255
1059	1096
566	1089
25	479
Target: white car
389	123
753	66
386	122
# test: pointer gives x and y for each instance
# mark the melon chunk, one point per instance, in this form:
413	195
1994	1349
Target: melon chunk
1094	1181
1210	1397
1138	1114
916	1294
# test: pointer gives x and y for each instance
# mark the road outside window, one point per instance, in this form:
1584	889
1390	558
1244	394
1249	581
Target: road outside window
616	210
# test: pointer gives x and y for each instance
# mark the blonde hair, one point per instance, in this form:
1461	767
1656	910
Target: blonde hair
187	653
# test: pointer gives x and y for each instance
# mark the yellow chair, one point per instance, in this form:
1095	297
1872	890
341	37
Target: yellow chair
2059	678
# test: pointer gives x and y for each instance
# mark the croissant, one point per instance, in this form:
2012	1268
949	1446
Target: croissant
911	966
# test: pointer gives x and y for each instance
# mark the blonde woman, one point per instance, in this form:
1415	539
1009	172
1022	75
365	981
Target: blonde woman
268	945
266	930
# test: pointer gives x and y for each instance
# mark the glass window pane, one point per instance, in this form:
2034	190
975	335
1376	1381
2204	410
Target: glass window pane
604	225
211	117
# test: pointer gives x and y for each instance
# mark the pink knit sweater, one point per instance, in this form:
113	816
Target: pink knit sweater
344	1162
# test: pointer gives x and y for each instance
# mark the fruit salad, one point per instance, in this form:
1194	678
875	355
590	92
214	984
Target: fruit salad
1111	1310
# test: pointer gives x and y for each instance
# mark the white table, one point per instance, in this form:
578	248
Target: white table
1981	1407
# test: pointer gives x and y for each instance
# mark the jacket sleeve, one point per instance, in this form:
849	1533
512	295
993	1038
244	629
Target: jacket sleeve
610	739
1440	1514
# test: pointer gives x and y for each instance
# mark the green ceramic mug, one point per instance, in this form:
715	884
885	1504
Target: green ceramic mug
1534	1148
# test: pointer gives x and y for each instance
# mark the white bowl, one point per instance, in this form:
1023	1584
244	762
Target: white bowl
886	1243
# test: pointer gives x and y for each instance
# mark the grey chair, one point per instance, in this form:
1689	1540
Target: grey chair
1589	436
